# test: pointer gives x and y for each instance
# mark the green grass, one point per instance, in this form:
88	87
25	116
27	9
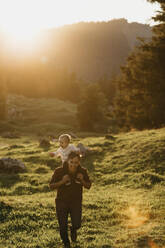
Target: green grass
125	208
40	116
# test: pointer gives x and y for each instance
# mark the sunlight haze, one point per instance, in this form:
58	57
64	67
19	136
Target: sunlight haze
37	14
22	20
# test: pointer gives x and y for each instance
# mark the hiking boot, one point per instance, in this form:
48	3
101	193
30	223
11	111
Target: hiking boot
73	234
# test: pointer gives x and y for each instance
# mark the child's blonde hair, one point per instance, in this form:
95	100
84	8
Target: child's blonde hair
65	136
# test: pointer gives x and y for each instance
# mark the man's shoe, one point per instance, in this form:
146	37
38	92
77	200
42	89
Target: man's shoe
67	245
73	234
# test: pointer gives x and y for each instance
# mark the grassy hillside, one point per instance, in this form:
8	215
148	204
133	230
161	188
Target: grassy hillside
123	209
39	116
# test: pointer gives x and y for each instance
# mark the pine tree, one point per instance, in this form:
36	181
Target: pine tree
91	110
141	88
107	86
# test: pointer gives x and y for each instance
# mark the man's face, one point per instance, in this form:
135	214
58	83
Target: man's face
63	142
73	164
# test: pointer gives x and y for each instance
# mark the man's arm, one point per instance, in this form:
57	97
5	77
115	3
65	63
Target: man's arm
56	185
87	184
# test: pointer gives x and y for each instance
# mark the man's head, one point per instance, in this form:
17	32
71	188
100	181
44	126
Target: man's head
73	162
64	140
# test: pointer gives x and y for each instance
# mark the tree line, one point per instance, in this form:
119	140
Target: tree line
140	95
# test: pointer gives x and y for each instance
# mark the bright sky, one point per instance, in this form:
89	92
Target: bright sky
22	19
49	13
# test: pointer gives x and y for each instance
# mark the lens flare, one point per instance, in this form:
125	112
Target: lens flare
153	245
135	217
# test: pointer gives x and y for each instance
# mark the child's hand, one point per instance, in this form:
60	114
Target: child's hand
80	177
51	154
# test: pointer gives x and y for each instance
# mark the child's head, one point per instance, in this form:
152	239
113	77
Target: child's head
73	162
64	140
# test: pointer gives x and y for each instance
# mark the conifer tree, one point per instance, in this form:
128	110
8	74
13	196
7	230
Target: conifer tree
91	111
140	97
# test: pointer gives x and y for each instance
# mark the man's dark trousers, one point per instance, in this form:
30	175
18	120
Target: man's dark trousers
63	209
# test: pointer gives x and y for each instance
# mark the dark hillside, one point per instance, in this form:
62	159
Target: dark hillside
93	50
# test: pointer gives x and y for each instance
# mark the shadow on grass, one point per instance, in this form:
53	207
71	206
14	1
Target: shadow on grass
145	241
41	170
28	190
33	159
45	149
93	156
53	163
7	181
5	209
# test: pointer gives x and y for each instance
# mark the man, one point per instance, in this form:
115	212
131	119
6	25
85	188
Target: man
69	181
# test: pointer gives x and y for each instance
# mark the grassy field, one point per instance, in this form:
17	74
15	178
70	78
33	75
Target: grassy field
125	208
39	116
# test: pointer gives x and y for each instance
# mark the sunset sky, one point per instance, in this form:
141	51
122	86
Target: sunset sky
22	20
37	14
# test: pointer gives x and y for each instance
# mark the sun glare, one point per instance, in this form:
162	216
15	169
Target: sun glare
153	244
20	32
135	217
20	25
22	20
21	37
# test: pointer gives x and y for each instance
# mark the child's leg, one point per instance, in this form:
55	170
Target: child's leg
62	216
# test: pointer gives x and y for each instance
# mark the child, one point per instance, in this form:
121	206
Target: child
65	148
69	181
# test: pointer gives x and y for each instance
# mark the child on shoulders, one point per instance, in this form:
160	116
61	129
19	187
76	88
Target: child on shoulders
65	148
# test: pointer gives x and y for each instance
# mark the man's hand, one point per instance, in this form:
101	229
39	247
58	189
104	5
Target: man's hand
80	177
66	179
